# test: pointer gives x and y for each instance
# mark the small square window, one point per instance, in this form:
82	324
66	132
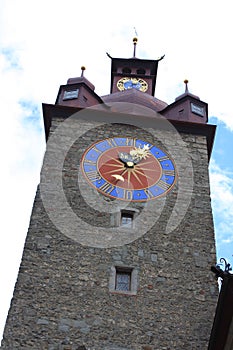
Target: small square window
127	218
123	280
70	94
199	110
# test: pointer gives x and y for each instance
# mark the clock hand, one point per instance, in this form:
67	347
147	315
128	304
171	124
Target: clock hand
118	177
130	159
135	155
127	159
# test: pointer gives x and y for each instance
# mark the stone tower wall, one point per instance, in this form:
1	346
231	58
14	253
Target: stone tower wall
64	296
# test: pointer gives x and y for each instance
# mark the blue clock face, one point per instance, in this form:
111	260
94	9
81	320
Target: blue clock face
129	84
128	169
132	83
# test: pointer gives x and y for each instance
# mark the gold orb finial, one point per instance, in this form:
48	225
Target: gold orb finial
186	85
82	69
135	40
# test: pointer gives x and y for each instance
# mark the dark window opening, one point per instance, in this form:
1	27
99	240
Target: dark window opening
127	218
141	71
126	70
123	279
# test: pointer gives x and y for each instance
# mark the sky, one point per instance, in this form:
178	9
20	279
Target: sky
43	43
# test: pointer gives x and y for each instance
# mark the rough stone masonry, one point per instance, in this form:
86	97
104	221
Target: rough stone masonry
64	296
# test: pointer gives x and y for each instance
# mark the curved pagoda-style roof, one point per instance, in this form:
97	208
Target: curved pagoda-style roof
136	97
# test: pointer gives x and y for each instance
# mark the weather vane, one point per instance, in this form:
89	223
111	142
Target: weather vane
135	40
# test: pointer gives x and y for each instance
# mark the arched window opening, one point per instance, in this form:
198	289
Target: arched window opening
141	71
126	70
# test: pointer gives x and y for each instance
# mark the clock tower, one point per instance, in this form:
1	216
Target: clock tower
121	238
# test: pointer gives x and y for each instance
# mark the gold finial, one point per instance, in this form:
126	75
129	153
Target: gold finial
83	68
186	85
135	40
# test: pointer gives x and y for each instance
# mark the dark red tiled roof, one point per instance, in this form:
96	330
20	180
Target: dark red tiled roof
136	97
81	80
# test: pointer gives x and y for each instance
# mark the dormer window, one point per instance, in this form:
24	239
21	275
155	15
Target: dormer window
70	94
197	109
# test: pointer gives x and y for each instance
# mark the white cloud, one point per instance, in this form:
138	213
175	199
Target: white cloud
221	182
22	145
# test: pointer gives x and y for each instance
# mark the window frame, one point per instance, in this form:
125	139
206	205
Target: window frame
127	214
71	94
133	284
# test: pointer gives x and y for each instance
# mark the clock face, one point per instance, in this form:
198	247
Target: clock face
128	169
132	83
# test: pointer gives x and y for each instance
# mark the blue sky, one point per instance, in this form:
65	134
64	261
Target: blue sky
221	175
42	44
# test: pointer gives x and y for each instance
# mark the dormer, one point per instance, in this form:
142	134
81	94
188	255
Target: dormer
187	107
78	92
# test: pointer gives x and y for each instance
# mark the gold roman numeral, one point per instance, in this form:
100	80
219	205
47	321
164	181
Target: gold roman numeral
106	187
130	142
96	149
163	158
128	195
148	193
169	172
112	142
163	185
93	176
91	162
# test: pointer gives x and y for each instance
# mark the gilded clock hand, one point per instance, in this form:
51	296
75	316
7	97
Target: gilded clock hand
127	159
118	177
134	156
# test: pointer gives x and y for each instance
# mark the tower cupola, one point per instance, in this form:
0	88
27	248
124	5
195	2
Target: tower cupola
78	92
134	73
187	107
